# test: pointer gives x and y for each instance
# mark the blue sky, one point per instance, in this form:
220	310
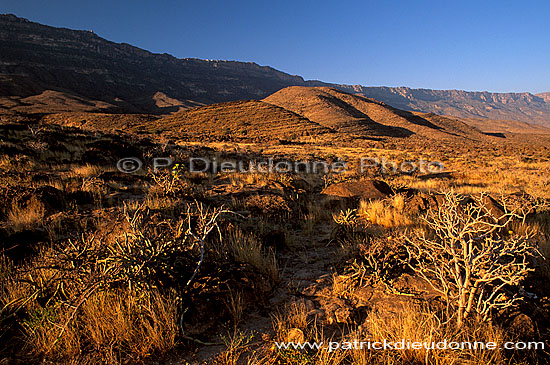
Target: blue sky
498	46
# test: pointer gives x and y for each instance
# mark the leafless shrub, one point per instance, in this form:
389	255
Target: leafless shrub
469	258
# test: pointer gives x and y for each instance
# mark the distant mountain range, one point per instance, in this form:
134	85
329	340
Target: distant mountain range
48	69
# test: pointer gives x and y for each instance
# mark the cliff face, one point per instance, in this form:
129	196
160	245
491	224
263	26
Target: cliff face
524	107
103	75
34	58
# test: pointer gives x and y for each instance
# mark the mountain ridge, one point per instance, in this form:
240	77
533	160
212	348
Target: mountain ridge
118	77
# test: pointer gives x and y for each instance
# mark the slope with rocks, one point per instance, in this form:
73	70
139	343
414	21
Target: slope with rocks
250	119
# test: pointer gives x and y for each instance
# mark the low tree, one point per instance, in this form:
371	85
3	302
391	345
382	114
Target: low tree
469	256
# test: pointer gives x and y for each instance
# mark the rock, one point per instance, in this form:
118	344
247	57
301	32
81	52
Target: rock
364	189
336	310
436	175
421	202
494	207
51	199
316	314
295	335
522	326
343	315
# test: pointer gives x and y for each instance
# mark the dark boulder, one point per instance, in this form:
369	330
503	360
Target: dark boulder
363	189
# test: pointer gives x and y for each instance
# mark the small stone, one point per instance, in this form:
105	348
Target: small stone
342	315
295	335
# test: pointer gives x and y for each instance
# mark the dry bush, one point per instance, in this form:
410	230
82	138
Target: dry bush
376	260
348	227
171	182
354	233
467	258
105	294
236	345
27	215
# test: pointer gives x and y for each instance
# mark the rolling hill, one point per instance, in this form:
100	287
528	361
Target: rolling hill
359	115
240	120
255	120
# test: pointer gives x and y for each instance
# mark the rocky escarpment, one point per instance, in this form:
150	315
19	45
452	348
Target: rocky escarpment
35	58
524	107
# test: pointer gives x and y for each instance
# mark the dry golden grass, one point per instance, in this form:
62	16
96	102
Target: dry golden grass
86	170
413	323
140	323
236	306
291	322
246	248
160	202
343	286
420	324
118	323
42	334
24	216
385	213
